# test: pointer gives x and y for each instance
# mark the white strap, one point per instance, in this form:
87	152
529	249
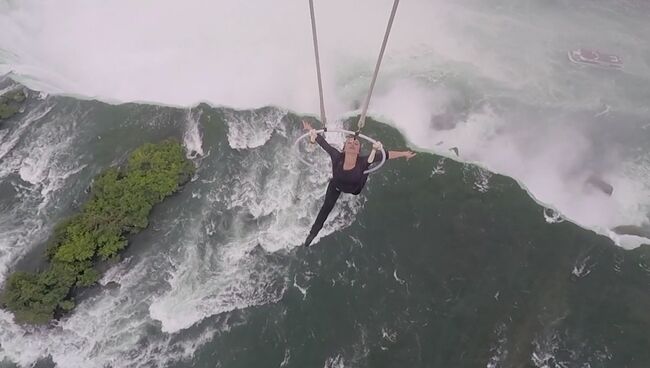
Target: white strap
375	146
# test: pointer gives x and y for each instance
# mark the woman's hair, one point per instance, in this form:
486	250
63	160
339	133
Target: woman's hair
348	137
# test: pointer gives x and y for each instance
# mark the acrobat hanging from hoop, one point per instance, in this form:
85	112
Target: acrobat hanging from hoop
349	169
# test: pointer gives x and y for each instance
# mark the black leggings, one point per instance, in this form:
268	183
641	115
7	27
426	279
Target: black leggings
331	197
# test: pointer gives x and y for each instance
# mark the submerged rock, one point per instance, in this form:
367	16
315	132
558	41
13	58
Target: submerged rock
601	185
643	232
445	121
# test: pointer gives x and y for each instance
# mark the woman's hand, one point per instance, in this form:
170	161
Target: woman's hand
409	155
306	125
312	133
397	154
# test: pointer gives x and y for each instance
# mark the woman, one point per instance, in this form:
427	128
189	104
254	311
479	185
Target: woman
347	174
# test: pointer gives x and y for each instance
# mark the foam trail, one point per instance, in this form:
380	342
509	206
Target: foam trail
36	163
192	138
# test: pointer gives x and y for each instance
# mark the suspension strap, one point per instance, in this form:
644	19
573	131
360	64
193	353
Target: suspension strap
362	119
317	56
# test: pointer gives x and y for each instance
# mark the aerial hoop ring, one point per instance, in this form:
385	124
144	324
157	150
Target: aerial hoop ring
383	152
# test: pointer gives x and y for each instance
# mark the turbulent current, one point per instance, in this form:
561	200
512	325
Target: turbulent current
491	248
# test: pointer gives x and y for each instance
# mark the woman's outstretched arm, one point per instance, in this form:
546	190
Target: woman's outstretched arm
398	154
390	155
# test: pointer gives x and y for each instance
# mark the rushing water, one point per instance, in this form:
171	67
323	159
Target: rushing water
438	264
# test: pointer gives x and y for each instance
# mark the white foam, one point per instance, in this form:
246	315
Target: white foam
499	348
40	157
627	241
287	358
551	216
336	361
543	356
581	267
192	138
253	129
206	283
14	135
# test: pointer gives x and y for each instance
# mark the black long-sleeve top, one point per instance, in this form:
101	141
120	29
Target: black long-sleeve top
347	181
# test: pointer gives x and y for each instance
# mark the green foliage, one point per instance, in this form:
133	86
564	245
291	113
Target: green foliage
110	243
87	277
7	111
120	203
10	103
34	297
77	243
18	96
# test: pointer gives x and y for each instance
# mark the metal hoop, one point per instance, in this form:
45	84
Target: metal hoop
383	152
